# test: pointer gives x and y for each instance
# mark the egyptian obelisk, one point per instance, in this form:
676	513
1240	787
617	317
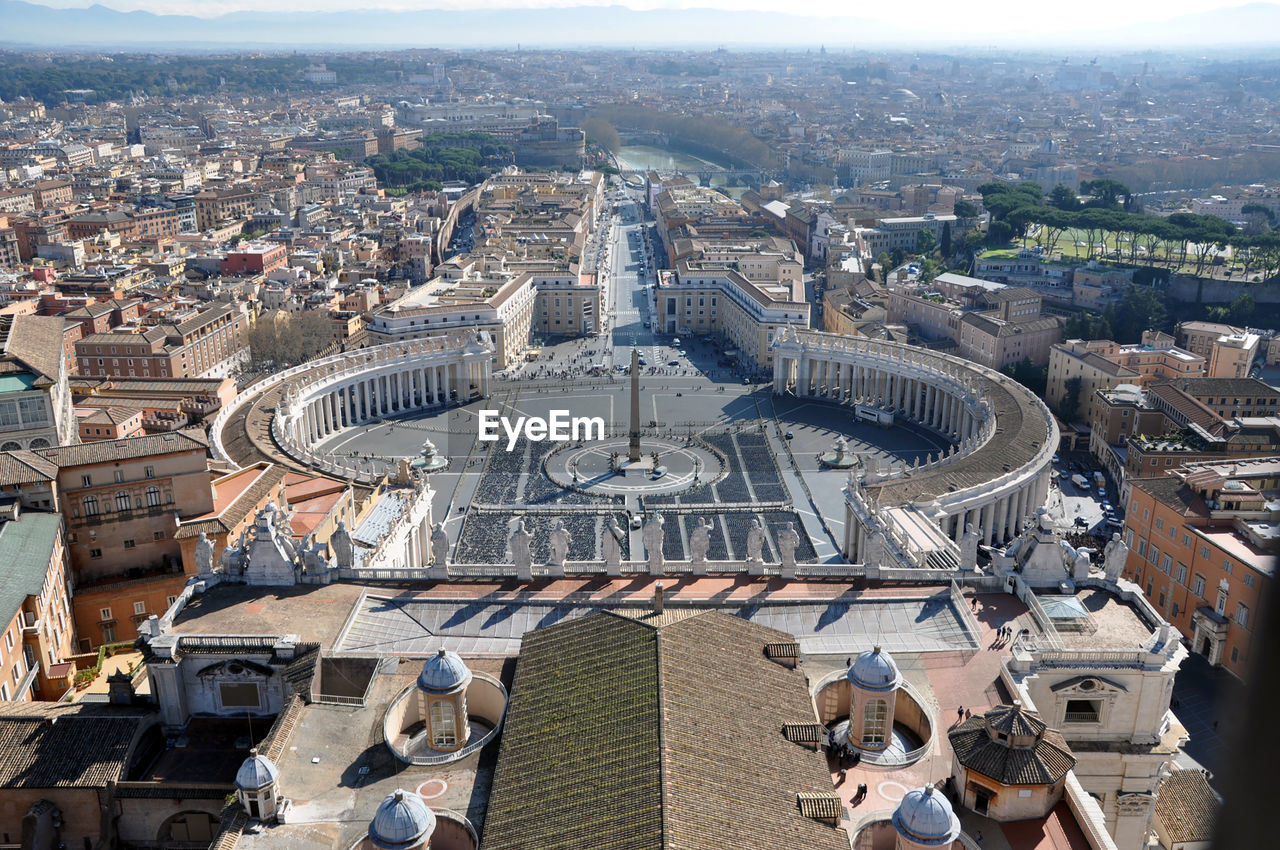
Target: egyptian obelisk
633	451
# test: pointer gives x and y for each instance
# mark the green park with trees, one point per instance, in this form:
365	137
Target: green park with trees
1106	226
469	157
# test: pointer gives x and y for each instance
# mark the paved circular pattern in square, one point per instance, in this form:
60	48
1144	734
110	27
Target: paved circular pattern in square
592	467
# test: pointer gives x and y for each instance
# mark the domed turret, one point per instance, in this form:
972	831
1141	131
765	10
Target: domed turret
444	673
924	819
875	671
442	688
403	822
257	786
874	680
256	773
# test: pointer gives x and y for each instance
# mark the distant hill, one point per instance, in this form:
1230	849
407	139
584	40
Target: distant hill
606	26
29	23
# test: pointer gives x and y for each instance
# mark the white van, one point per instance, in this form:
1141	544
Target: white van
1080	481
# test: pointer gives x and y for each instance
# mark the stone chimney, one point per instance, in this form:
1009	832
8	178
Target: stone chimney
657	598
120	688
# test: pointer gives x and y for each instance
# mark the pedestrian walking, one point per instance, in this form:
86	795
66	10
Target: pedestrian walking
960	714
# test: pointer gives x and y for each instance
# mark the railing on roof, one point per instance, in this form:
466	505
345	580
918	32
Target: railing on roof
1049	632
1096	657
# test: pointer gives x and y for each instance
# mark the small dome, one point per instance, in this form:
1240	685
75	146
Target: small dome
403	820
875	671
444	673
925	817
256	773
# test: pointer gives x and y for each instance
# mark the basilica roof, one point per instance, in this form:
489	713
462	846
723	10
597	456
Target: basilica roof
672	729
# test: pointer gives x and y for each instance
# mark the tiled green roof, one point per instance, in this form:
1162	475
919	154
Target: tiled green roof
580	750
26	547
628	731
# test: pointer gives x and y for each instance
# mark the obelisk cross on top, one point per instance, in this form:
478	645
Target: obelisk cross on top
633	451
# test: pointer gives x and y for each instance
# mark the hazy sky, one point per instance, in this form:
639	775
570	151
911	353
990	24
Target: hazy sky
991	16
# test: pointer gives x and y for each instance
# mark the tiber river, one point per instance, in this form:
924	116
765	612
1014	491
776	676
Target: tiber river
646	157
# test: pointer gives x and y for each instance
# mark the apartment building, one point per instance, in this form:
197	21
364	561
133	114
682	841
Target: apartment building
1102	364
215	206
701	297
207	344
35	606
991	324
503	306
568	305
35	396
899	234
255	258
1241	348
122	502
1203	549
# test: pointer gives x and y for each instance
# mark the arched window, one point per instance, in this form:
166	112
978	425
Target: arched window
10	446
122	501
443	731
874	716
90	505
153	497
39	443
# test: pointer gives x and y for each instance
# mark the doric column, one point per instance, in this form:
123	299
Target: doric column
988	519
434	381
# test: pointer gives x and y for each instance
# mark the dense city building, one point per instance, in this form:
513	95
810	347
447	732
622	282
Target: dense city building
836	448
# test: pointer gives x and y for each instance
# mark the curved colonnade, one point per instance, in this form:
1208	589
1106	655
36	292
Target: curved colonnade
320	398
998	470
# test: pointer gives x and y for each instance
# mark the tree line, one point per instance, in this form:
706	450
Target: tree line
1181	240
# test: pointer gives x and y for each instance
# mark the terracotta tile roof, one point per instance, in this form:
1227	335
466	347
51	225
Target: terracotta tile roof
234	513
1187	806
110	415
1044	763
103	451
1170	491
25	467
1187	409
687	752
1233	387
822	806
48	745
35	342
